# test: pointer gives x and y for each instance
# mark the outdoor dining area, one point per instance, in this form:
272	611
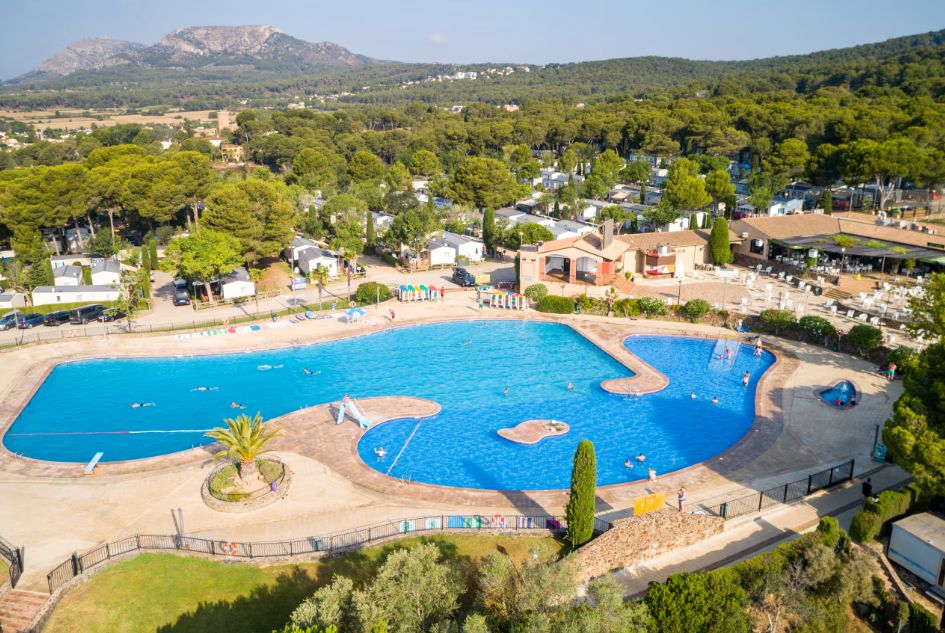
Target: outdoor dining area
836	255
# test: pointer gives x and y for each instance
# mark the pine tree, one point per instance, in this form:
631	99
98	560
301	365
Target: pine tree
369	236
719	244
488	228
581	505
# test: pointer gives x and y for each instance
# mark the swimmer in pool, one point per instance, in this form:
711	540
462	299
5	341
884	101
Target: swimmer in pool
237	405
641	457
628	464
570	386
381	453
135	405
469	342
692	394
715	399
149	404
204	388
505	391
306	371
746	378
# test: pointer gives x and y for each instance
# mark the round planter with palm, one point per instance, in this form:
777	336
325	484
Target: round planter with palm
247	480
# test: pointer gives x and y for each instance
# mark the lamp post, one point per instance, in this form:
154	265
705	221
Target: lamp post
679	293
843	257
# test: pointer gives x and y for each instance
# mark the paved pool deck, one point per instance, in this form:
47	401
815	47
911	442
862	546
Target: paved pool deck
53	510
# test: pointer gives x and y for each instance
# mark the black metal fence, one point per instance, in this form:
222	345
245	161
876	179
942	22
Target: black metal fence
329	544
14	560
785	493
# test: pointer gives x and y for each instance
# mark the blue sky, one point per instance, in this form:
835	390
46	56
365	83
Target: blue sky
460	31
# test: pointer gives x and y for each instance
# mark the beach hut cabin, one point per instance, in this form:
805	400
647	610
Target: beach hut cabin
237	284
918	544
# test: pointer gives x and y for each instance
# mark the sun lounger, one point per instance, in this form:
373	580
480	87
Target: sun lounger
93	463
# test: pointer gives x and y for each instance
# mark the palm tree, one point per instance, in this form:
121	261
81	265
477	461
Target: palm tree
320	278
244	440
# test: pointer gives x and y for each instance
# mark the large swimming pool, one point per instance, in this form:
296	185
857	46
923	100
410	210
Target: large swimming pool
84	407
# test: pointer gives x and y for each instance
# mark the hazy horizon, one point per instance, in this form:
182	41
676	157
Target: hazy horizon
466	32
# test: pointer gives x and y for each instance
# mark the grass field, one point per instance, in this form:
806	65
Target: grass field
175	594
73	119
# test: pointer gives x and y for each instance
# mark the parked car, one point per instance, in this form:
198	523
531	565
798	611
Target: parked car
30	320
463	277
56	318
86	314
111	314
181	298
180	284
8	321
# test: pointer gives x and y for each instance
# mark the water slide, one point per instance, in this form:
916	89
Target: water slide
348	403
719	360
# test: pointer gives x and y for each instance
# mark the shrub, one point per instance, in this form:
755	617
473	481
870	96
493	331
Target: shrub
651	306
370	291
536	292
553	304
592	305
816	328
626	307
921	620
696	309
865	338
865	526
829	531
777	320
580	509
890	504
719	244
390	260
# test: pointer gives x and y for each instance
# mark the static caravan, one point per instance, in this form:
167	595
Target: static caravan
918	544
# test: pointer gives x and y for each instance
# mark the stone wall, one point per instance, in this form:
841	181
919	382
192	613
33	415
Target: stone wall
637	539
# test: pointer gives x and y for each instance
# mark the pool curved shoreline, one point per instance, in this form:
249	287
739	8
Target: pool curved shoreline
760	435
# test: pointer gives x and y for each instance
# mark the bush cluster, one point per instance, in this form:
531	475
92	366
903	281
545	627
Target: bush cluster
777	320
554	304
536	292
816	328
593	305
865	338
696	309
626	308
889	505
651	306
370	291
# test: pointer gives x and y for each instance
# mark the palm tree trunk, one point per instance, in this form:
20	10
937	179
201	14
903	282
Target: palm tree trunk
248	470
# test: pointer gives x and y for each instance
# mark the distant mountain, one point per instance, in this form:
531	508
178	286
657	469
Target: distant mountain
196	48
89	54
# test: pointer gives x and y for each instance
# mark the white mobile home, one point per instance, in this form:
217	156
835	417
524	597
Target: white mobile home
441	253
67	275
311	258
12	299
45	295
106	272
237	284
465	246
918	544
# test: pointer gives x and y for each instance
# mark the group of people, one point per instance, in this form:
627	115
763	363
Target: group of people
715	399
641	458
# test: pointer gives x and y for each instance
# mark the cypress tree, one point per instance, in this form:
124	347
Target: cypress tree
146	273
826	201
370	239
643	193
86	275
488	228
556	212
693	222
152	247
581	505
145	257
719	244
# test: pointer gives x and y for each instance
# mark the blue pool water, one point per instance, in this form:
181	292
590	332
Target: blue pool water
843	390
83	407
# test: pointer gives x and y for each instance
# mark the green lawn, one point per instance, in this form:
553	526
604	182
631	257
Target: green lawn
177	594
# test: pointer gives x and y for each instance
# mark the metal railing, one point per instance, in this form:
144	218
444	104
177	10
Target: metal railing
14	559
329	544
785	493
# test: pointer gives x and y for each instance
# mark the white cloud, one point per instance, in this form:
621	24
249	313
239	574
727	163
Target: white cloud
439	38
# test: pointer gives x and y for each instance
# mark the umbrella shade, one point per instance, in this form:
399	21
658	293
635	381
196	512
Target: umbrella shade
355	313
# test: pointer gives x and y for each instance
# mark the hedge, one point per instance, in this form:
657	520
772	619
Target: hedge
777	320
816	328
535	292
865	526
56	307
554	304
370	291
626	307
829	531
921	620
868	523
593	305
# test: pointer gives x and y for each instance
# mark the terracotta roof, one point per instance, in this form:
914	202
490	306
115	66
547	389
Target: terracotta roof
810	225
675	239
782	226
589	243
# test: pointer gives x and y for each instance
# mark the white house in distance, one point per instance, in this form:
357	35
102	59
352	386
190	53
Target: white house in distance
465	246
45	295
67	275
106	272
237	284
441	252
12	299
918	544
313	257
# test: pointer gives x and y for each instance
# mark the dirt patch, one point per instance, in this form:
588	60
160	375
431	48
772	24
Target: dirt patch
276	276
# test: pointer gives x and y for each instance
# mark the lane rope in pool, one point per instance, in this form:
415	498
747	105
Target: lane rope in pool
128	432
404	447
